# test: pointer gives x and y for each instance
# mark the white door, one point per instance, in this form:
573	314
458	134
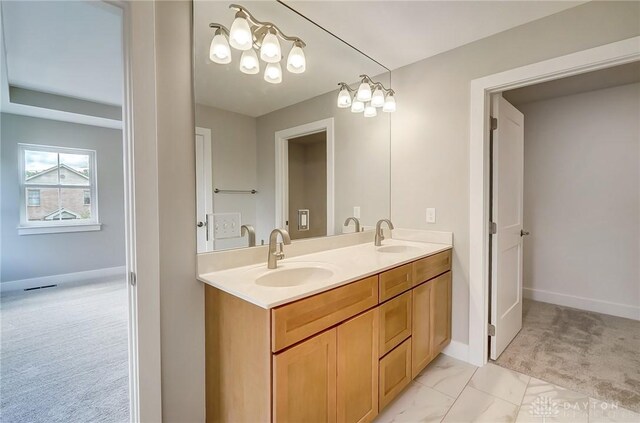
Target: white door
506	245
204	190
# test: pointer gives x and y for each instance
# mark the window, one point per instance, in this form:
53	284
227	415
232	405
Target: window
58	186
33	197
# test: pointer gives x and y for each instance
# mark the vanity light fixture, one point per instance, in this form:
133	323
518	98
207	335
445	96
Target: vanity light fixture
251	36
369	97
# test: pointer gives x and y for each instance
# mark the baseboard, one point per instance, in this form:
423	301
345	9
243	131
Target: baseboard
582	303
457	350
66	278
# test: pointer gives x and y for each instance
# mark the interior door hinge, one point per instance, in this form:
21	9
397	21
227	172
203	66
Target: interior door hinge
132	278
494	123
493	228
491	329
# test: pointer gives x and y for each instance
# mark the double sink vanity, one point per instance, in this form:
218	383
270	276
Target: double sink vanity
332	335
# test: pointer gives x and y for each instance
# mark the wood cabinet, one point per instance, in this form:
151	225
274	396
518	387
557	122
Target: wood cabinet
395	322
337	356
357	390
304	381
395	372
431	322
440	313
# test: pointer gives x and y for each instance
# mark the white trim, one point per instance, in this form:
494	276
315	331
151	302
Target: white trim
204	199
65	278
457	350
601	57
583	303
282	169
57	229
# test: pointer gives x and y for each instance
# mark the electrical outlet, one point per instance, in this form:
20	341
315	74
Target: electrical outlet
431	215
356	212
226	225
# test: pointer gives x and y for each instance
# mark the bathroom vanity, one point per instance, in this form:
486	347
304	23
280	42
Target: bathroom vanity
324	345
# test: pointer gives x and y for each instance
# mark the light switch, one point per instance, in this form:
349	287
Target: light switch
431	215
356	212
226	225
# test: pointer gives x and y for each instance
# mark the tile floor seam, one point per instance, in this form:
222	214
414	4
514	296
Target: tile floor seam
459	393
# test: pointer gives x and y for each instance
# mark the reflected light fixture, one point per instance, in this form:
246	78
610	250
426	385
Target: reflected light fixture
256	39
376	95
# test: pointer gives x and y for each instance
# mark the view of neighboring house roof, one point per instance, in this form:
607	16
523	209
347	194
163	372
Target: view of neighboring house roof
62	214
51	169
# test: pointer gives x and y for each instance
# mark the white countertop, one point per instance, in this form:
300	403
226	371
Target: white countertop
348	264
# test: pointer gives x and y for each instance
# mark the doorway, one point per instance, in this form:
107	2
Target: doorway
576	318
69	319
311	185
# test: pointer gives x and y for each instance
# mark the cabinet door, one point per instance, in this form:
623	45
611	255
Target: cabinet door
357	388
304	381
395	373
421	330
395	322
440	313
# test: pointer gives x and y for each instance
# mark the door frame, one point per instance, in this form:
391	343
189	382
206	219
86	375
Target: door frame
140	209
206	199
608	55
282	169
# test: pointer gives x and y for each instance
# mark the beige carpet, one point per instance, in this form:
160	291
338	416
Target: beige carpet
591	353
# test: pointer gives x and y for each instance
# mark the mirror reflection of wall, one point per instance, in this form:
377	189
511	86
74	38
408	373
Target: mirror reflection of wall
284	155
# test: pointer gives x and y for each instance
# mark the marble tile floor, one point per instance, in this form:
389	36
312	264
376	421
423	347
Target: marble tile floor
449	390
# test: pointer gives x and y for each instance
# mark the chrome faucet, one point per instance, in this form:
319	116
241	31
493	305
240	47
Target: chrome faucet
251	232
274	256
355	220
379	235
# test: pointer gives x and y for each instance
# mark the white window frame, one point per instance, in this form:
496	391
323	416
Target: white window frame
47	227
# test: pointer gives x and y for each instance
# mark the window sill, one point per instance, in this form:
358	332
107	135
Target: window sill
57	229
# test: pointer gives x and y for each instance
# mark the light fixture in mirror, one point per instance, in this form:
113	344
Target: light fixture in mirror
378	96
282	154
219	51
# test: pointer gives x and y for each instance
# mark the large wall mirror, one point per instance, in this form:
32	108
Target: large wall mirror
273	149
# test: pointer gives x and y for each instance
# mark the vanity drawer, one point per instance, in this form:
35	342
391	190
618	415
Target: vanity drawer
395	281
395	322
430	267
294	322
395	373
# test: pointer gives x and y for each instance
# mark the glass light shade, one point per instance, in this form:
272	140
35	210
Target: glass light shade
270	50
377	99
364	92
249	62
219	51
296	62
273	73
240	36
344	98
389	104
357	106
370	111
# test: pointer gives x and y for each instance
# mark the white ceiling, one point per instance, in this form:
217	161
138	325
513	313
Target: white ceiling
329	61
398	33
68	48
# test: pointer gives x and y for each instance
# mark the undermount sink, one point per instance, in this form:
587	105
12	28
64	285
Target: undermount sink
398	249
294	274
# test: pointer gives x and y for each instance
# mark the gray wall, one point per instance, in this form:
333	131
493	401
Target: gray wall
582	195
181	295
362	148
430	130
233	162
30	256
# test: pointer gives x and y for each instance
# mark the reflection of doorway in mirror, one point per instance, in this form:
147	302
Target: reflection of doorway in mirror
307	164
204	190
305	171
